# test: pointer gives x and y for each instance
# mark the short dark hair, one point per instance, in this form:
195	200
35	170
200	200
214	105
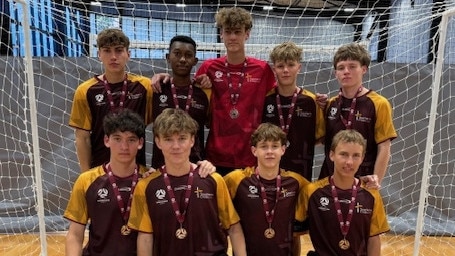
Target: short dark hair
183	39
124	120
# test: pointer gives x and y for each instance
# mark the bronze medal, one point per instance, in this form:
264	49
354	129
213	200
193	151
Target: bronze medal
269	233
234	113
125	230
181	233
344	244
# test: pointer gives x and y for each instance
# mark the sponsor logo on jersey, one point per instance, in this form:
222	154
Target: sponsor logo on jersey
202	195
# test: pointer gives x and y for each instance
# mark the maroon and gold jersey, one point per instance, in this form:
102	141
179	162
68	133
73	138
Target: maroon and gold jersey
198	110
209	214
91	104
369	218
93	202
228	142
307	126
245	191
372	118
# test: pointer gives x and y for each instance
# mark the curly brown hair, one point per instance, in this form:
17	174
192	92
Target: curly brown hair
234	17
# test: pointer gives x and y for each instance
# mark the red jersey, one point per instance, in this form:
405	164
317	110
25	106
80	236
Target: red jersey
233	121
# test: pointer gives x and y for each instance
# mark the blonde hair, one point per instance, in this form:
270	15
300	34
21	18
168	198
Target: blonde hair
286	51
349	136
174	121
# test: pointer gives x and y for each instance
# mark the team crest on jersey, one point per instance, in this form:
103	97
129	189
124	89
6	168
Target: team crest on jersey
270	111
324	202
333	112
218	76
161	196
99	99
253	192
103	194
163	98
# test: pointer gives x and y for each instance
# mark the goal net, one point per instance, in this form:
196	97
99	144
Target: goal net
48	48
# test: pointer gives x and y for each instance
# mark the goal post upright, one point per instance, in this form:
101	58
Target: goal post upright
437	76
35	163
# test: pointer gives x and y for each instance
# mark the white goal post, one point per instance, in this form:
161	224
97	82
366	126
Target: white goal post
447	16
43	58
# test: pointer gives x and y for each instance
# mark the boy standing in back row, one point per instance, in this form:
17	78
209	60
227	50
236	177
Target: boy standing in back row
182	93
239	84
294	110
364	110
113	90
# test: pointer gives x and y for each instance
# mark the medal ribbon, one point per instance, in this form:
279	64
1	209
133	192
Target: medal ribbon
269	214
235	94
107	87
285	127
188	98
124	211
348	123
179	214
344	225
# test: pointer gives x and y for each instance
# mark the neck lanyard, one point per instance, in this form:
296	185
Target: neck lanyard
181	233
235	94
110	98
188	97
344	225
269	214
285	127
348	123
125	211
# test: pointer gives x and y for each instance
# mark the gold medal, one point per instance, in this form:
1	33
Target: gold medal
269	233
181	233
125	230
344	244
234	113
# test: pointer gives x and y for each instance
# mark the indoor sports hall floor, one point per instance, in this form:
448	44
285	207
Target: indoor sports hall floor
28	245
